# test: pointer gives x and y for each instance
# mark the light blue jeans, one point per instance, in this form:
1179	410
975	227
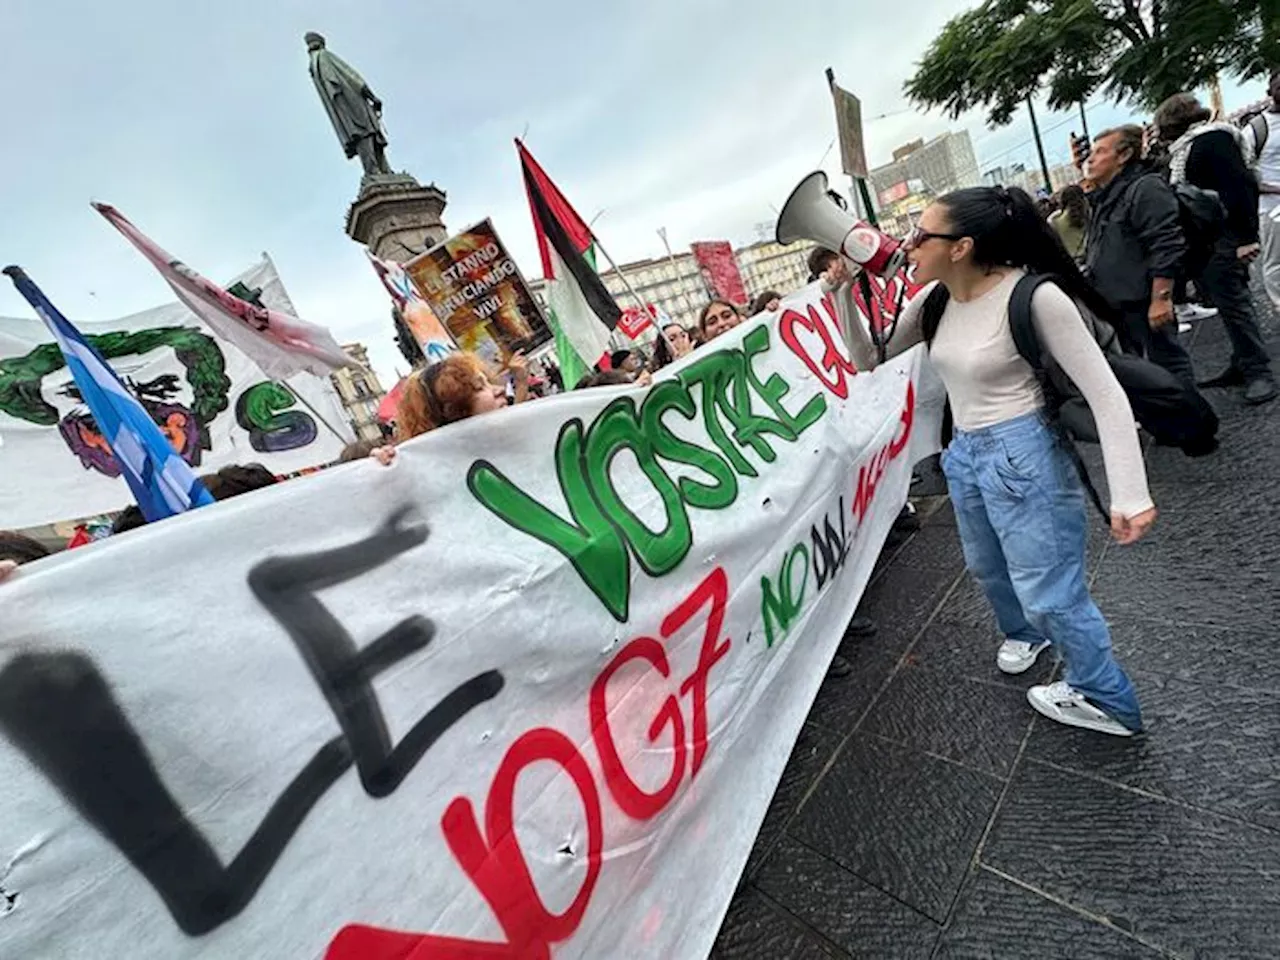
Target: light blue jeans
1020	508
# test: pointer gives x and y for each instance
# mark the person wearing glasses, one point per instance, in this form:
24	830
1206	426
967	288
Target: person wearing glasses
1018	500
458	387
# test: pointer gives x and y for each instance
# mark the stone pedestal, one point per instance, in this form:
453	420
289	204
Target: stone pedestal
396	217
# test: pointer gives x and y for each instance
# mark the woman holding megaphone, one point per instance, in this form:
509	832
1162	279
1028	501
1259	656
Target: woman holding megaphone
1018	499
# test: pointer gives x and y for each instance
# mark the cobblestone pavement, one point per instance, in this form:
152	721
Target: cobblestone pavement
928	812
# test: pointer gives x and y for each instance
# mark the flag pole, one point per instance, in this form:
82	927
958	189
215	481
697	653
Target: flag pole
284	295
644	307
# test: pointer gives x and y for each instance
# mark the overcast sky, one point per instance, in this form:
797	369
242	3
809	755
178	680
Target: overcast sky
200	123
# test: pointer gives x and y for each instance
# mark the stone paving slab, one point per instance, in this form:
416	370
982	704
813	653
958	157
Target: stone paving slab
928	812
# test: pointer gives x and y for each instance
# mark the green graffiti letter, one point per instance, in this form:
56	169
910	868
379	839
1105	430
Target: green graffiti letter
783	606
590	542
775	388
673	395
715	373
616	430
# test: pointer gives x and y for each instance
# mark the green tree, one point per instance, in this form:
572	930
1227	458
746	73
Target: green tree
1003	52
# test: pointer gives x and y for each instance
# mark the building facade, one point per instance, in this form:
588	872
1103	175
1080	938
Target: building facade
360	393
674	284
943	164
1032	181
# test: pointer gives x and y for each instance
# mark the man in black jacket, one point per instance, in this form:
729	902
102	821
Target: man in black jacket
1212	156
1134	248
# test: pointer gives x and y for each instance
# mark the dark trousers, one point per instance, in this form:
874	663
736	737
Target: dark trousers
1161	346
1224	282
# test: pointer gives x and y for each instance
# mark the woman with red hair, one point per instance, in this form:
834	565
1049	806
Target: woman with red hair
458	387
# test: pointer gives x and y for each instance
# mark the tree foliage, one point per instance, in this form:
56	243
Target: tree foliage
1004	51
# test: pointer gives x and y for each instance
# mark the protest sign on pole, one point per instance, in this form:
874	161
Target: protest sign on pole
475	287
720	270
635	321
214	403
426	328
853	155
526	692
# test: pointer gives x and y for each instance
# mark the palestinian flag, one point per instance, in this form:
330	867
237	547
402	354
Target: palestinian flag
583	312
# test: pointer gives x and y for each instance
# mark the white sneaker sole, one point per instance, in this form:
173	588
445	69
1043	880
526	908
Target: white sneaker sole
1050	711
1015	667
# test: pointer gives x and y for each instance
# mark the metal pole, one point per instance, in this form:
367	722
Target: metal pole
866	201
1084	122
640	302
1035	131
671	258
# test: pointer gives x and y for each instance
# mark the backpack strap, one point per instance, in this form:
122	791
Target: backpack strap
935	305
1022	326
1020	320
1260	128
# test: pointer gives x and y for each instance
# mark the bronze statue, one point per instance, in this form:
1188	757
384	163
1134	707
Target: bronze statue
354	109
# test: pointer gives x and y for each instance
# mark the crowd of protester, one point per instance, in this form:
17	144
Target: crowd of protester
1162	216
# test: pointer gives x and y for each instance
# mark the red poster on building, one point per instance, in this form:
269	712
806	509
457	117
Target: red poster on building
720	270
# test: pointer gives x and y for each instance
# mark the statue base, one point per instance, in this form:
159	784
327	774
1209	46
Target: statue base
396	217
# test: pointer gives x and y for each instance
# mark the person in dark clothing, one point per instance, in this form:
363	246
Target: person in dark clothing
1134	248
1215	156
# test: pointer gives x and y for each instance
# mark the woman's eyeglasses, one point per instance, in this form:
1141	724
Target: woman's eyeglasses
920	235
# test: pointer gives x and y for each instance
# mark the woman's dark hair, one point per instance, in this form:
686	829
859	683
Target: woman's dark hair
1075	204
130	518
237	479
359	450
20	547
1008	231
819	259
702	317
604	378
662	355
759	304
1179	114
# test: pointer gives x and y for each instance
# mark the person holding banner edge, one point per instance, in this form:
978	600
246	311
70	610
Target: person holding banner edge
1018	500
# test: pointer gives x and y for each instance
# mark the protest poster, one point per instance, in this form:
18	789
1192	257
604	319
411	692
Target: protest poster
635	321
474	285
853	155
720	271
424	326
527	692
216	406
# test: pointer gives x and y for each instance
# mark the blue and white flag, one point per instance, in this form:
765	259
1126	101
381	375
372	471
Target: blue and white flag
162	482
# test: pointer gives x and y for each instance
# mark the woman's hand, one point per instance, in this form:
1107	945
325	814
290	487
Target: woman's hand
644	379
518	364
6	569
384	455
1126	530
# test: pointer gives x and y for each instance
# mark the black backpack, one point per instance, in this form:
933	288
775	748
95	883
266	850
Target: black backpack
1202	217
1173	413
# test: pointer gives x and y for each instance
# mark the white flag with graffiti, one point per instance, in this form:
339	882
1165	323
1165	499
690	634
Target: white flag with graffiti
214	404
525	693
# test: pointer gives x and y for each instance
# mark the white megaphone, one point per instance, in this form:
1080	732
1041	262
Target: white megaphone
809	214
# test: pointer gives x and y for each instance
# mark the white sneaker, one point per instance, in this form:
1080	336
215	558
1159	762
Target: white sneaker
1184	327
1060	702
1191	312
1015	656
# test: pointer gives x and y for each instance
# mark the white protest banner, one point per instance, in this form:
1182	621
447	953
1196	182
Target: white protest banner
215	405
525	693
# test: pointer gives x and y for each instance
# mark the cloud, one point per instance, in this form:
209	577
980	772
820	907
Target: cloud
201	124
